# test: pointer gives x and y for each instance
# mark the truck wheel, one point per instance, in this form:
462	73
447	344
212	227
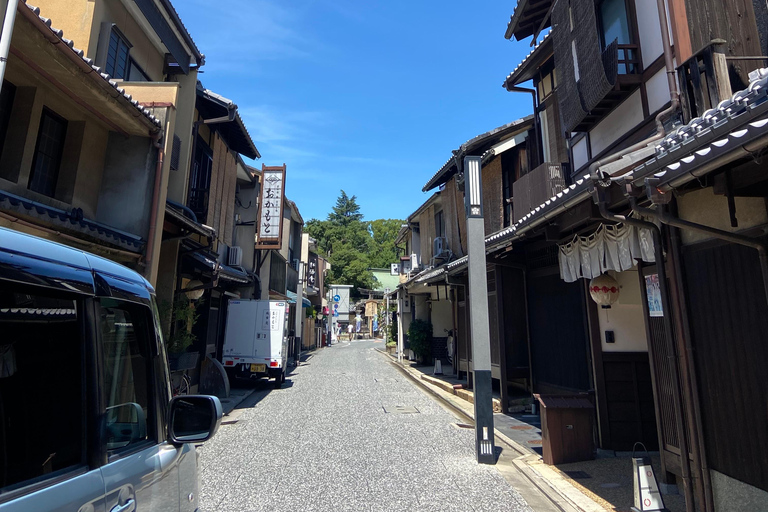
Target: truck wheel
282	377
279	381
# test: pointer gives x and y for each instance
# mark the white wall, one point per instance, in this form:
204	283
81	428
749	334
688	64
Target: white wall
625	318
658	91
623	118
442	318
580	155
704	207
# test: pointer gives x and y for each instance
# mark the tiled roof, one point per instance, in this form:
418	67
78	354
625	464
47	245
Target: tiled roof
721	130
512	78
183	29
472	144
72	221
81	54
239	139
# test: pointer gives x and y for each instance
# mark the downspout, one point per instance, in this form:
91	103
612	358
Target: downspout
154	212
600	198
674	97
6	36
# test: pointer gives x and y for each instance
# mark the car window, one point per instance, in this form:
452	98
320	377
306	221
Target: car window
124	329
42	412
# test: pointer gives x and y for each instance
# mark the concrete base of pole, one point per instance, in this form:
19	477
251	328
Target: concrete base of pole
484	439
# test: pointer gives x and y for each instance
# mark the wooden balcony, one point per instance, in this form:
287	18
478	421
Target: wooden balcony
536	187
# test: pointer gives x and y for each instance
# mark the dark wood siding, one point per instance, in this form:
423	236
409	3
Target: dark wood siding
728	316
515	323
629	397
558	330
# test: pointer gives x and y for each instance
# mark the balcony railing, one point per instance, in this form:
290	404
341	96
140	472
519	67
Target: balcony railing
198	203
629	61
536	187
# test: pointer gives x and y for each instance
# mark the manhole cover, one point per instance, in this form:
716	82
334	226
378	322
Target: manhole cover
400	409
577	475
521	427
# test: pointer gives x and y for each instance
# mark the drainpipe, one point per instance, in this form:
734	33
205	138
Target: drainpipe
157	139
674	97
7	34
677	400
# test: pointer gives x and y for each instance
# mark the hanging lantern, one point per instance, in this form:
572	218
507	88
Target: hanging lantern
194	294
604	290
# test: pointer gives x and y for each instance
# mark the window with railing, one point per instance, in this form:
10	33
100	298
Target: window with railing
615	25
200	180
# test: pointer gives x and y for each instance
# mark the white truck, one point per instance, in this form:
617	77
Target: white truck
256	340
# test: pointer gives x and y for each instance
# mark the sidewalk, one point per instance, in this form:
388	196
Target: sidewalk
589	486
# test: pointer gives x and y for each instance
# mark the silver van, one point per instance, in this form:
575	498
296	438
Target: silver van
87	422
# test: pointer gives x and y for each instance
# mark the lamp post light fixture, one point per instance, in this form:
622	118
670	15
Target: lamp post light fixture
478	310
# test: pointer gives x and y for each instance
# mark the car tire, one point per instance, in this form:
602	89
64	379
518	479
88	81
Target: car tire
279	381
282	377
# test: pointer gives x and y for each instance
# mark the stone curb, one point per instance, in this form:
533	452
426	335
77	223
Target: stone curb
527	463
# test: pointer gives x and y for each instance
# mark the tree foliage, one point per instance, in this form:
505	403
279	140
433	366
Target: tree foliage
353	245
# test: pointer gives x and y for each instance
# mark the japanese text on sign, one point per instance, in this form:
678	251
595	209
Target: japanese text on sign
271	204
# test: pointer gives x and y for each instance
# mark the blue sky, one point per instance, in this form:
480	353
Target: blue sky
365	96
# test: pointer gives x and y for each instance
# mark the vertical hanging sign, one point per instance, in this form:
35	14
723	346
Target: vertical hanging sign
271	207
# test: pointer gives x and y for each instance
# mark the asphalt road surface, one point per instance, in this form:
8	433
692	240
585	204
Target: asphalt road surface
325	441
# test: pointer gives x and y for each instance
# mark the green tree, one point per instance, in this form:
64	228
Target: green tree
383	234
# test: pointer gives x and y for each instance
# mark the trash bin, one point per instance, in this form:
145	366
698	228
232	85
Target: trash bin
566	428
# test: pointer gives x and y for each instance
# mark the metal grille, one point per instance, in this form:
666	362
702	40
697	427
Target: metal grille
175	153
50	146
537	186
542	258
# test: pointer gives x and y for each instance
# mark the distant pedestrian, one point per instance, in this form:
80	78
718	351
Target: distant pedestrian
349	331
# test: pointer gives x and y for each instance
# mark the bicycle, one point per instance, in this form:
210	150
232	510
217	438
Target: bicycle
180	383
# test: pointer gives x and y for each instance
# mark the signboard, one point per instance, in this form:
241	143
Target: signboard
394	269
312	270
653	294
270	231
336	298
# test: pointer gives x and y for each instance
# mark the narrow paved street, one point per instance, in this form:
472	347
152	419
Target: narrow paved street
325	442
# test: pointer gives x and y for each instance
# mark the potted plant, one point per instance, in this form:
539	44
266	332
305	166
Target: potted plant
420	337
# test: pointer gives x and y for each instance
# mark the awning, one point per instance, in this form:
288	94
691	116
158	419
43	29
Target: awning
223	272
292	299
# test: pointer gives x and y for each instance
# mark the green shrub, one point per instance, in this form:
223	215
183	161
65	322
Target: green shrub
392	332
420	339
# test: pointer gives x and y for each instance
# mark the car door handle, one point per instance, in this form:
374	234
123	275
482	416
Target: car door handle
129	506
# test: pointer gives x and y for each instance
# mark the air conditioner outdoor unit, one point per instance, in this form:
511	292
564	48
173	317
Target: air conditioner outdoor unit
439	246
235	256
414	262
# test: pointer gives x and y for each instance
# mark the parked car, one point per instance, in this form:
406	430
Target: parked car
87	422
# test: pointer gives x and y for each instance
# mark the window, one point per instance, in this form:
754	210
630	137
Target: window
200	180
124	330
614	24
439	224
6	104
47	159
118	63
42	395
135	73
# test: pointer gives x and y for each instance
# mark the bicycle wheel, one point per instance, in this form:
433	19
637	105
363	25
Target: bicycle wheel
184	385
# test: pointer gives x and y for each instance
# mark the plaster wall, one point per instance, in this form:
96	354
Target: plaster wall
704	207
625	318
580	154
621	120
657	91
185	117
420	306
442	318
731	494
129	174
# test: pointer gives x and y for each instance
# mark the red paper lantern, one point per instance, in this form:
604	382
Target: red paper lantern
604	290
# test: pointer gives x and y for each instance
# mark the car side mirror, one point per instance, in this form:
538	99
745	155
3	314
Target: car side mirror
194	418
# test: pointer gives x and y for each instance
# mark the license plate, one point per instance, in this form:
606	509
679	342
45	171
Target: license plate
258	368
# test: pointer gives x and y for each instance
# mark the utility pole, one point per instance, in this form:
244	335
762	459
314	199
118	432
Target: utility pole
478	310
